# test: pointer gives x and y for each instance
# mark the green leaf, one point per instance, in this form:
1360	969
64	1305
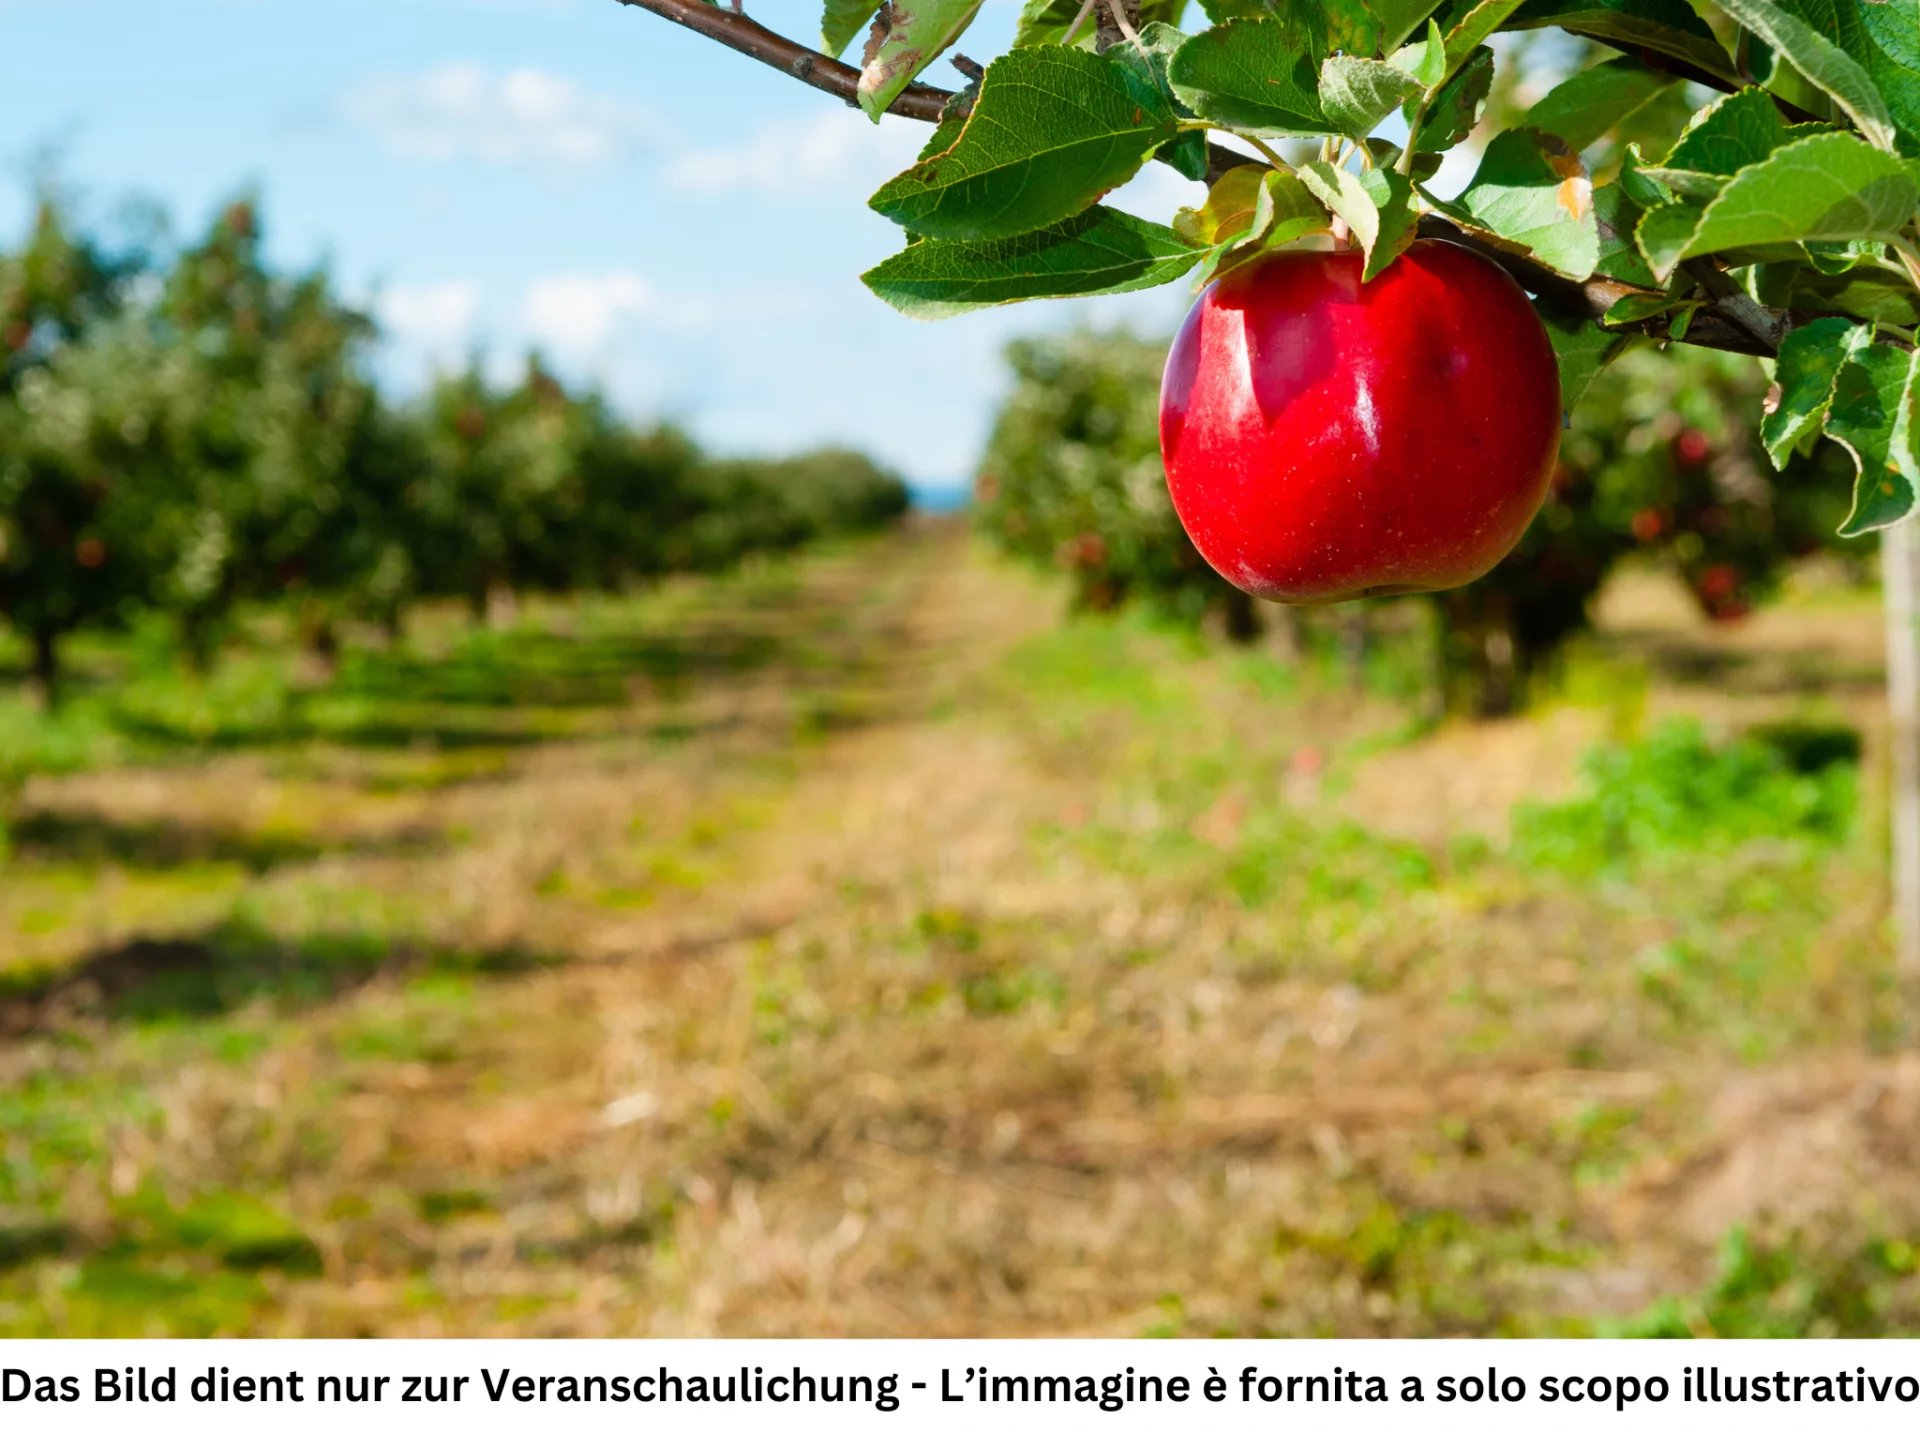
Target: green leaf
1872	416
1811	357
1045	22
1227	214
1377	206
1473	28
1222	11
1532	192
1397	20
1822	61
1581	348
1668	27
1249	209
919	35
1255	75
1285	210
1583	108
1188	155
1830	186
1102	251
1633	309
1735	131
1425	60
1052	131
842	20
1357	94
1452	114
1614	216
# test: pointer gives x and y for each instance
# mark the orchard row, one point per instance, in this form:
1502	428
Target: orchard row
185	429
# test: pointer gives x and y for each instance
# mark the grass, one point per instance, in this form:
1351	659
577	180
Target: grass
849	946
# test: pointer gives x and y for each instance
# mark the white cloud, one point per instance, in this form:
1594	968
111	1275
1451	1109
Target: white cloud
579	317
437	318
460	110
827	149
576	315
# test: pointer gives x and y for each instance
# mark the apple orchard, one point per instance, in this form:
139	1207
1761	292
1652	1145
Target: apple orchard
1376	388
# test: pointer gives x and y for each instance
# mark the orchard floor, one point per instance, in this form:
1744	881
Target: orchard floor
847	946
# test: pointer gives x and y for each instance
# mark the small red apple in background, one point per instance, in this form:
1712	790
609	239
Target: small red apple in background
1647	525
1717	589
1691	449
1327	439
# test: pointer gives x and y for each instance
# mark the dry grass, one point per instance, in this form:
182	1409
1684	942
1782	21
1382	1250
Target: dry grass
919	968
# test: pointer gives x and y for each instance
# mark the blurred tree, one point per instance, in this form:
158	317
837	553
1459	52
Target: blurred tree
1072	479
58	568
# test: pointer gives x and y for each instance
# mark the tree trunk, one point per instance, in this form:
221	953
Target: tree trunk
1900	581
1500	676
1356	641
1242	616
43	676
322	651
196	641
503	605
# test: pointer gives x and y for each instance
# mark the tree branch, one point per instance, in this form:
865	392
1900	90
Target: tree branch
810	67
1731	320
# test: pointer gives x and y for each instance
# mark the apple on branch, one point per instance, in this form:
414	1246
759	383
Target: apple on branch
1327	438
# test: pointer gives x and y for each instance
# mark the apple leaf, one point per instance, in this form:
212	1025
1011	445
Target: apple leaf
842	20
1045	22
1614	216
1102	251
1828	186
1872	416
1532	193
919	34
1052	131
1811	356
1255	75
1250	209
1735	131
1474	26
1583	108
1356	94
1377	206
1359	27
1581	348
1227	214
1425	60
1455	110
1667	27
1822	61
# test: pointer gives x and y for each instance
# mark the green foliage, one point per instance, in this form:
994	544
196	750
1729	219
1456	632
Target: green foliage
1072	476
1789	1289
1799	181
187	432
1676	792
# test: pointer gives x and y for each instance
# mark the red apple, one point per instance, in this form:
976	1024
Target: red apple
1327	439
1691	449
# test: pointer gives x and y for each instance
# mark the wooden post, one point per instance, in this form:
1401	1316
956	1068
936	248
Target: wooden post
1900	582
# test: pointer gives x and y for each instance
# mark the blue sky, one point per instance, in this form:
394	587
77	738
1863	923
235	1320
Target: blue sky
659	215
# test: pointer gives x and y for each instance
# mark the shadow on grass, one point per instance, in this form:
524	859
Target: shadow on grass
234	964
89	838
1701	662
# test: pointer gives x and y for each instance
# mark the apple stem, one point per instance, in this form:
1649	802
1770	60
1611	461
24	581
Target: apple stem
1342	235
